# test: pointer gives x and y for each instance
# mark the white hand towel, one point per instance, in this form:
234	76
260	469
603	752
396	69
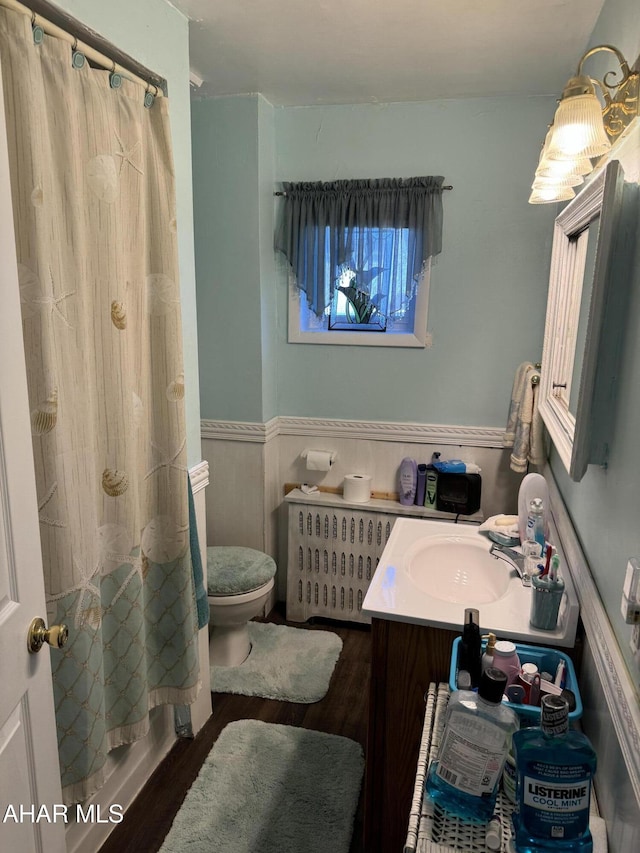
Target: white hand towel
524	428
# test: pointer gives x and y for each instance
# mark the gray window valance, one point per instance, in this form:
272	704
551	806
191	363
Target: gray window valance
383	229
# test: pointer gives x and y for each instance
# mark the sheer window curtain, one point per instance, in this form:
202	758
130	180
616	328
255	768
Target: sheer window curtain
340	222
93	199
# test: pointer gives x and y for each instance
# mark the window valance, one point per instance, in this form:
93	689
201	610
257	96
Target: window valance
381	230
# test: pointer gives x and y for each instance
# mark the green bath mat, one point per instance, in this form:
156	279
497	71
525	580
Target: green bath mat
267	788
290	664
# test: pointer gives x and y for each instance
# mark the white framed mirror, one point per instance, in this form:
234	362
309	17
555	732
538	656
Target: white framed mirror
581	256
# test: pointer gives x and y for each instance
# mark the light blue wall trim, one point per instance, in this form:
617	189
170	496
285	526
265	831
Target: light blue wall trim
403	433
155	34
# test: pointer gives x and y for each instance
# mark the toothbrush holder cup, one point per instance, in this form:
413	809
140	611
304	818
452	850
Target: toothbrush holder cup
546	596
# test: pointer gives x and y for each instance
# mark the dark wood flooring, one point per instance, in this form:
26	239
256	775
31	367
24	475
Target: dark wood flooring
343	711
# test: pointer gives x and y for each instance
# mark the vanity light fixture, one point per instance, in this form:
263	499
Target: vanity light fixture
582	129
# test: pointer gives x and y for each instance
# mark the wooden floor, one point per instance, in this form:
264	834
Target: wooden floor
343	711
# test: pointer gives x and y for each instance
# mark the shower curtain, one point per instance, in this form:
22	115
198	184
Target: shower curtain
93	200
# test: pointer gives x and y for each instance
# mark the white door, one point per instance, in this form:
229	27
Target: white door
29	770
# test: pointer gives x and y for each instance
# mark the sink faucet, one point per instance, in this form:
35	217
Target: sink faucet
514	558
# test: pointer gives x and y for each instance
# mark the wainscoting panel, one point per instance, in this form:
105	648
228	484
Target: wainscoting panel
250	463
236	495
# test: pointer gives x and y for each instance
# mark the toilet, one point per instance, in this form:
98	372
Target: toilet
239	581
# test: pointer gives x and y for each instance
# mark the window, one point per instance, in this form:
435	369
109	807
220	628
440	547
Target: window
360	256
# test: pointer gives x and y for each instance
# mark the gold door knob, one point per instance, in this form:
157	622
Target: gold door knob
39	634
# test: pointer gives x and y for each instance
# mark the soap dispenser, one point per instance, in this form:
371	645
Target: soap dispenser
487	657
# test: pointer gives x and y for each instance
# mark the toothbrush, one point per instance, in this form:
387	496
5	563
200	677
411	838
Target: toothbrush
553	571
561	675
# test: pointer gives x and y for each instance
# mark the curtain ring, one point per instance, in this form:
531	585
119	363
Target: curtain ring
115	79
149	99
36	30
77	57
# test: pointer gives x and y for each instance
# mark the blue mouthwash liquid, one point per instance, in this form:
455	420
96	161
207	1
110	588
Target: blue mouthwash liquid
475	743
554	772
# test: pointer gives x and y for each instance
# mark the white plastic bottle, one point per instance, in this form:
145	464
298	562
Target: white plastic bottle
505	657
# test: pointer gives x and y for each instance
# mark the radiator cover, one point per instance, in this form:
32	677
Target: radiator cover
333	551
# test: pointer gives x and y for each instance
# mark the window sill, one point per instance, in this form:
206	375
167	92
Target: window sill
363	339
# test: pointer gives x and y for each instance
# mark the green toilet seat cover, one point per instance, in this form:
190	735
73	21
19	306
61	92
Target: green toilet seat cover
232	570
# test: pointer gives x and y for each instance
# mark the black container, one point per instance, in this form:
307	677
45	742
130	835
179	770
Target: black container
470	652
459	493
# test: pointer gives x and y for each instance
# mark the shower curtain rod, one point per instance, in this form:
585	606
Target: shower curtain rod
282	193
91	53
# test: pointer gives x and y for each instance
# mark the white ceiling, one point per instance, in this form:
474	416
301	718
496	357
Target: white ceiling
360	51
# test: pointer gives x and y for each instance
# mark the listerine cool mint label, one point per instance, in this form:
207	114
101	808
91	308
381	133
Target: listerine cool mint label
556	803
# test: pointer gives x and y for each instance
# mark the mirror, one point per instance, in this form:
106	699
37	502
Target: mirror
580	266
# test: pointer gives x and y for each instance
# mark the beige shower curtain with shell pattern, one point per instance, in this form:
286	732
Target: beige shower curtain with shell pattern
94	209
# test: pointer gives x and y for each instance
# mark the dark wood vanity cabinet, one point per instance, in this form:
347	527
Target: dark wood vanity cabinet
405	658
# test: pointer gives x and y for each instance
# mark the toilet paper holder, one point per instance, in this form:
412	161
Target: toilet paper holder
332	454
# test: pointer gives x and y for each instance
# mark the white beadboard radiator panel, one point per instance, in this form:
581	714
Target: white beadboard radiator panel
333	549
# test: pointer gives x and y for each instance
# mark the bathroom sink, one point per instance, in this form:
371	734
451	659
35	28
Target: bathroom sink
430	571
458	569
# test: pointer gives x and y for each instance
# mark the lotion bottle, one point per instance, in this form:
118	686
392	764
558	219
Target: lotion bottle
408	481
505	657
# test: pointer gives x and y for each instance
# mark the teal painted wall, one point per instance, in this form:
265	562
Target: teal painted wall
234	155
154	33
604	506
230	246
489	285
266	167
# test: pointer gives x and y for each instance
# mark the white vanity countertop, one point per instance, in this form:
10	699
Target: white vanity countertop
403	593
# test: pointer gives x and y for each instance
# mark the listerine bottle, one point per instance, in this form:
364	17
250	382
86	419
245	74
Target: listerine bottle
476	740
554	772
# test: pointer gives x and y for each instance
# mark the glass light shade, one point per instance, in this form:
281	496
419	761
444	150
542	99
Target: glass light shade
560	168
571	179
551	194
578	130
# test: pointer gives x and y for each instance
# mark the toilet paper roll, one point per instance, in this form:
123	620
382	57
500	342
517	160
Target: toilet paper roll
318	460
357	488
